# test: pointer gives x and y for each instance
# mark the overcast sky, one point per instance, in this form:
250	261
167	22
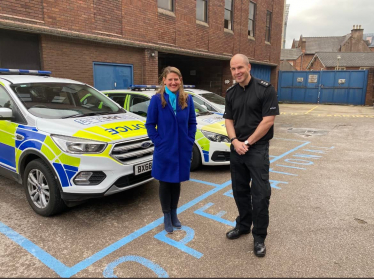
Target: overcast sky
319	18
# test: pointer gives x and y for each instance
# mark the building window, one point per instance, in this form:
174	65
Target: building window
202	10
364	68
268	27
251	19
228	14
166	5
340	68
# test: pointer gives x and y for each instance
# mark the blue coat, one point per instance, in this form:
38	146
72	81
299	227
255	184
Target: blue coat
173	138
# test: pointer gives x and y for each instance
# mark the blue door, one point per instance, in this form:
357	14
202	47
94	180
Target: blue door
329	87
261	72
112	76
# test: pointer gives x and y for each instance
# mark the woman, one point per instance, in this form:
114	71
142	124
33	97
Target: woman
171	125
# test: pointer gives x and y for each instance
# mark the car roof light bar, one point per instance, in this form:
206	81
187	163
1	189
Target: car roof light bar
21	71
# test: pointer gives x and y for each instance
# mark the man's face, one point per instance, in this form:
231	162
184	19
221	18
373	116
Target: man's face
239	69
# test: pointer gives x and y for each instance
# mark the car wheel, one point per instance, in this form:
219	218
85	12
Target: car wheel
41	188
196	158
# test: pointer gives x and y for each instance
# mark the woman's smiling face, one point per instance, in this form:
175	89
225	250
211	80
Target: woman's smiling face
172	82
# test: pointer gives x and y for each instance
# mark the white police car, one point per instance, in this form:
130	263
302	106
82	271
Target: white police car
66	142
211	101
212	145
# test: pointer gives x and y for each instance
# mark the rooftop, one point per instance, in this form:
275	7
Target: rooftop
347	59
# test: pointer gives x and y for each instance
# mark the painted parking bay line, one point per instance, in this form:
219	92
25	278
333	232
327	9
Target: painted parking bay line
65	271
311	109
329	115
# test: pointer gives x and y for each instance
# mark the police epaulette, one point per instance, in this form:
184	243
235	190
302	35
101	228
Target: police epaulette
264	83
231	87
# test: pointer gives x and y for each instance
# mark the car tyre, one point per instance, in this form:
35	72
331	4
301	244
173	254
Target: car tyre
196	158
42	189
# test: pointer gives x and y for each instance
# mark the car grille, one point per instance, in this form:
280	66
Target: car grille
132	152
221	156
132	179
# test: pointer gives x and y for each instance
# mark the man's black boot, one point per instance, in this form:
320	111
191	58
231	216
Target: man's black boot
235	233
259	249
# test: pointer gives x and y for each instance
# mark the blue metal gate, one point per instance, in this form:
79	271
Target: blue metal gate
109	76
325	87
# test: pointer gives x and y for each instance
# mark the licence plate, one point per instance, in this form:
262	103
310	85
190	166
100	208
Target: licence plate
142	168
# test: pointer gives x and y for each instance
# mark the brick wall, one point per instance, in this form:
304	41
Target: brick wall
317	65
69	58
141	24
140	20
369	100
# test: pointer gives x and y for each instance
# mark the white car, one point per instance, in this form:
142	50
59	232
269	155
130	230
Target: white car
66	142
212	145
211	101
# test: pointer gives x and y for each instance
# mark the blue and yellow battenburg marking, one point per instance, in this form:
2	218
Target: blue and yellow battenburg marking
15	139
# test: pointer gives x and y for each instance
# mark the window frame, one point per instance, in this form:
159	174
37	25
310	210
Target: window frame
340	68
231	22
131	104
268	27
253	20
172	3
18	116
206	11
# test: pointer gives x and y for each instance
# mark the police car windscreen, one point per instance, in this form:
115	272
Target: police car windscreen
214	98
63	100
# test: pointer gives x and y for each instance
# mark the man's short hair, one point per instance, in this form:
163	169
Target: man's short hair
242	56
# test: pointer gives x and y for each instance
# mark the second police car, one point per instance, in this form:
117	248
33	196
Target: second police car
212	145
66	141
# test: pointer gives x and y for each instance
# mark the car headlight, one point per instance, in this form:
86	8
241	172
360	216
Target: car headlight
78	145
215	137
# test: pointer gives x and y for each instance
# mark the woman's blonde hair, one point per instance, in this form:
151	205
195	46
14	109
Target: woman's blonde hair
182	95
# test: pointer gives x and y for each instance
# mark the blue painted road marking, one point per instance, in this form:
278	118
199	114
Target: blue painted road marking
217	217
64	271
229	193
109	270
292	167
274	183
181	245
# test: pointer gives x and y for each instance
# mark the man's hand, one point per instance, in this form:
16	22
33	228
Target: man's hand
240	147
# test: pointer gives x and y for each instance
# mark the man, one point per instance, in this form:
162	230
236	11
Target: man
251	106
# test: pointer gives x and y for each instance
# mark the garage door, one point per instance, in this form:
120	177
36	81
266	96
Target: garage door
108	76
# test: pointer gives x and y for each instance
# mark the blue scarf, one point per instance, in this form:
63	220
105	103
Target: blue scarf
172	99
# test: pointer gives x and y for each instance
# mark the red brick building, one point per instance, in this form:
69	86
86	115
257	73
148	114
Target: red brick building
123	42
303	51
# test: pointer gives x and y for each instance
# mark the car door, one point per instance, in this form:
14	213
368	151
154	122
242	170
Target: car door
203	103
7	134
139	104
120	99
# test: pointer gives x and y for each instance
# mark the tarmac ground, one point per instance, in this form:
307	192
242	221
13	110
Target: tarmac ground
321	215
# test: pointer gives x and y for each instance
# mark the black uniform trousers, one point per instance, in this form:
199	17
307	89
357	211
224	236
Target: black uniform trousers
252	200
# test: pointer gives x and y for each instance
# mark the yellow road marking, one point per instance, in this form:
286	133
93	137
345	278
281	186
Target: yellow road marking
311	109
330	115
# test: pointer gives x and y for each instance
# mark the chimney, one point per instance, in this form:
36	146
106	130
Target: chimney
357	33
303	45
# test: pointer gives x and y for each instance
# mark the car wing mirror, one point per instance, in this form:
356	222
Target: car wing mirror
6	114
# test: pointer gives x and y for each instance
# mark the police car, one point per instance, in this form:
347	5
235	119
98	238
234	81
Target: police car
67	142
211	101
212	145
